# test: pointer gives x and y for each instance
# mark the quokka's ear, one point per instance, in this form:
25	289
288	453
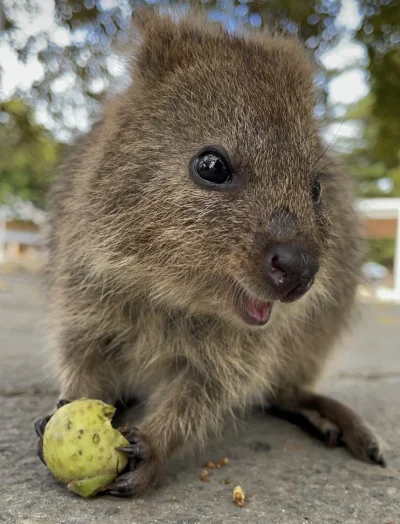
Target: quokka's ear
165	42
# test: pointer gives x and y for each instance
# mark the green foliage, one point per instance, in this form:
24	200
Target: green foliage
386	110
92	27
381	250
28	154
380	33
367	161
377	155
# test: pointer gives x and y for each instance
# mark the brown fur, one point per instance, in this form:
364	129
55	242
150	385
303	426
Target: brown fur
143	264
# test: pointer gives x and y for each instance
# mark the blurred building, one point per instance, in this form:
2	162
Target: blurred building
381	219
20	231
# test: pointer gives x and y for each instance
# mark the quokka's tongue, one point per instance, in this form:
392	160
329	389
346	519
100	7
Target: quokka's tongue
259	310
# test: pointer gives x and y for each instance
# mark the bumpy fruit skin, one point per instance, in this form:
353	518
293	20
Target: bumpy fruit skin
79	446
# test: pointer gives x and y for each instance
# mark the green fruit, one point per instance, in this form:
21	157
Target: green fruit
79	446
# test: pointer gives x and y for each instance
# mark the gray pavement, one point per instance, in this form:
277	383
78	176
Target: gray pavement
288	477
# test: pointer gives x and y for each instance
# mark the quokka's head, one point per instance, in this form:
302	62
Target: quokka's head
213	189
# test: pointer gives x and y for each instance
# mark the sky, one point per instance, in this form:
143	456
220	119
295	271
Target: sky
346	88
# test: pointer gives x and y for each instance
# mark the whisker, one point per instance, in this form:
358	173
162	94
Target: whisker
328	165
340	127
349	268
363	239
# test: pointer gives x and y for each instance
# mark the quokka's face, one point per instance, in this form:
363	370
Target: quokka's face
230	187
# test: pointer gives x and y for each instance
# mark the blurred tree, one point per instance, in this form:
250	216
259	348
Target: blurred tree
382	250
74	45
380	33
375	159
72	41
28	154
362	162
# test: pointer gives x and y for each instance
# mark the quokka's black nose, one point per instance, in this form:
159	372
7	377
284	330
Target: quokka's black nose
290	270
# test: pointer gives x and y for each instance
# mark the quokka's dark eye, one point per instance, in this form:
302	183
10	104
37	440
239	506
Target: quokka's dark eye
211	167
316	192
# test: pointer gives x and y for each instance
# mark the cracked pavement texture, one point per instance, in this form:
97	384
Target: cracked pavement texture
288	477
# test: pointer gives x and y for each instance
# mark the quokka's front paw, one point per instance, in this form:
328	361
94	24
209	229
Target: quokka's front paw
40	426
144	465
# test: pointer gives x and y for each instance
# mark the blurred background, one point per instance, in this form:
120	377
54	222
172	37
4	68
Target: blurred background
58	62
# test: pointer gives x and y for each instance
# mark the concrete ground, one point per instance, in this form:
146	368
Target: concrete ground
288	477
